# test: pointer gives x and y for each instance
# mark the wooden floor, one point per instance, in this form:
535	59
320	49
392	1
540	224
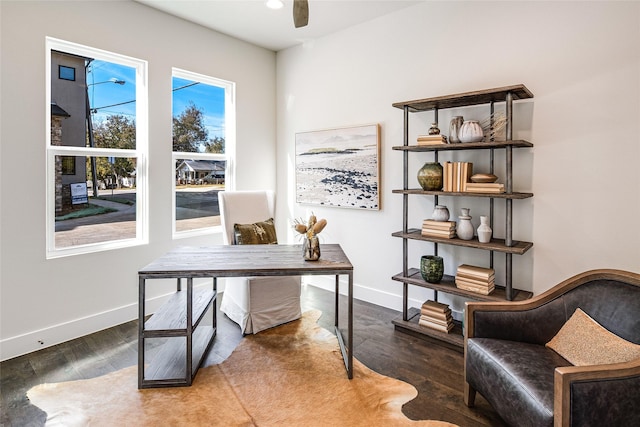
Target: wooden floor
435	371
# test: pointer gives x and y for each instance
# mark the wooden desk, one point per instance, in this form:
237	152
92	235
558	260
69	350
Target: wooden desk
182	314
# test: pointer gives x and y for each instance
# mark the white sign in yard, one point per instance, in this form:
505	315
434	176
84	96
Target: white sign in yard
79	193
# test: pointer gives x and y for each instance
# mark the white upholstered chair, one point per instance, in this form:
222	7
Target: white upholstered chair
255	303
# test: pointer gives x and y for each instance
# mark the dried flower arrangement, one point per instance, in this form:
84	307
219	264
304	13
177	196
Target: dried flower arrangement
311	227
494	126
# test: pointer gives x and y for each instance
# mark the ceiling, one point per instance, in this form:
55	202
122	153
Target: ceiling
252	21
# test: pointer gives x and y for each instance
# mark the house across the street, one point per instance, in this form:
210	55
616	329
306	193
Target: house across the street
200	172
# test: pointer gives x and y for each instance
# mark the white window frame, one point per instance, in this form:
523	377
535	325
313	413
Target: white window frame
230	146
140	153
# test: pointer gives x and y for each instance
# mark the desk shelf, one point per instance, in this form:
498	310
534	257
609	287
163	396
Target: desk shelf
185	345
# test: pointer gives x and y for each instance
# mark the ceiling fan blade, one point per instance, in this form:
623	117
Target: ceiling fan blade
300	13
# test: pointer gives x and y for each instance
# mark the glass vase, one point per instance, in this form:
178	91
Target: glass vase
311	249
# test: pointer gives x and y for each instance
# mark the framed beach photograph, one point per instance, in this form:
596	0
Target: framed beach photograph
339	167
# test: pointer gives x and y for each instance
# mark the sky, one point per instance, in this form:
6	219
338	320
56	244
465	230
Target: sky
108	98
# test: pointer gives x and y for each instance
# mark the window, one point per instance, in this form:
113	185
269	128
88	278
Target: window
68	164
203	140
96	150
66	73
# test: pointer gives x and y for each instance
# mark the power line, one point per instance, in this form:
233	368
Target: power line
185	86
129	102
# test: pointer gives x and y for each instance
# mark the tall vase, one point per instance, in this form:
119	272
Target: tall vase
471	131
311	249
430	176
484	230
464	228
432	268
454	128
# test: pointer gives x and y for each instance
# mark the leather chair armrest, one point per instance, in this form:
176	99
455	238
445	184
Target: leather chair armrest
609	393
534	321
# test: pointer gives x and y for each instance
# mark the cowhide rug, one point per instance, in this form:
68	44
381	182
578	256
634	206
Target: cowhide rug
292	375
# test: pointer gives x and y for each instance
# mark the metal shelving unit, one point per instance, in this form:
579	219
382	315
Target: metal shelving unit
508	246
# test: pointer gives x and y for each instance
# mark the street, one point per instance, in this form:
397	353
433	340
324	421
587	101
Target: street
196	207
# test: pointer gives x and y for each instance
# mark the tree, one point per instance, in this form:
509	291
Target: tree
215	145
189	132
116	131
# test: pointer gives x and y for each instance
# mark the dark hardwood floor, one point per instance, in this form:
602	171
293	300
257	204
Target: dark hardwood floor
436	371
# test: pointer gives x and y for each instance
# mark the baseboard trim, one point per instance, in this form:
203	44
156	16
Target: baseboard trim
62	332
360	292
56	334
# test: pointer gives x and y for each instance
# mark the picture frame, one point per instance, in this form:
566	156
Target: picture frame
339	167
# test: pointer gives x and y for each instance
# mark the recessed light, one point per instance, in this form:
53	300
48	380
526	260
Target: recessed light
275	4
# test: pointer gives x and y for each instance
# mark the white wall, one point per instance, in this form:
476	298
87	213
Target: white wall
581	60
59	299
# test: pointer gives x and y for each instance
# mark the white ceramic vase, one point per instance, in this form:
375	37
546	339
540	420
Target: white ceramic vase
484	230
471	131
440	213
464	228
454	129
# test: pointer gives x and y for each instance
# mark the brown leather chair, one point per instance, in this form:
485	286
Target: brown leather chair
528	384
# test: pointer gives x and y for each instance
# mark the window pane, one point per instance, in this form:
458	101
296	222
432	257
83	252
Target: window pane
202	110
110	216
67	73
197	185
103	100
68	165
198	117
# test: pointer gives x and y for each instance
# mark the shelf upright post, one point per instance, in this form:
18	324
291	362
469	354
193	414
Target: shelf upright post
405	217
435	198
491	171
509	202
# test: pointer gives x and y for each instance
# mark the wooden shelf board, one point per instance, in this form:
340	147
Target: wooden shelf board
513	195
168	367
454	337
484	96
517	143
498	245
171	318
448	285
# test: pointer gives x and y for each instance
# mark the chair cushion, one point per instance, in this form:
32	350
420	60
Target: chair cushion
583	341
515	378
258	233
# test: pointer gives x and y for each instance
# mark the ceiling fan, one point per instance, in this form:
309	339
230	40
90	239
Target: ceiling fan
300	13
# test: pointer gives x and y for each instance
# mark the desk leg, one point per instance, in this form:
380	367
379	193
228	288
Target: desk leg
215	305
189	366
346	350
350	329
336	309
141	301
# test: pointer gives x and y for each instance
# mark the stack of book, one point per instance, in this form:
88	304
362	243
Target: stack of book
455	176
442	229
436	316
432	139
475	279
485	187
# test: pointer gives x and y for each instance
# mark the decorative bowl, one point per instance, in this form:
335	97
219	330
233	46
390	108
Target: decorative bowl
483	177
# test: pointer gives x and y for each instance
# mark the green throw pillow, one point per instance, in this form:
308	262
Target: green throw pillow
583	341
259	233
